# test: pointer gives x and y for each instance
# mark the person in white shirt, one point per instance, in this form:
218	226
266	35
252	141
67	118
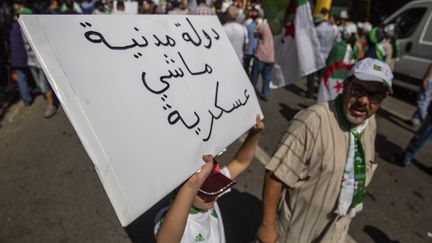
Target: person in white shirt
120	8
237	33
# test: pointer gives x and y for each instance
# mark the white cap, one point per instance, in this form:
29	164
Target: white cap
369	69
367	26
343	14
349	29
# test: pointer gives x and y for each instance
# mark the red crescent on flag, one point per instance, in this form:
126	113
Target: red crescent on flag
339	65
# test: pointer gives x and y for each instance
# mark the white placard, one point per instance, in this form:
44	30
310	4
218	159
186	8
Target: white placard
147	95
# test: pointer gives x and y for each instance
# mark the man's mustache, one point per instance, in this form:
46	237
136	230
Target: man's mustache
360	107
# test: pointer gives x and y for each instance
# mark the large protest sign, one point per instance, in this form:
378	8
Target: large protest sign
147	95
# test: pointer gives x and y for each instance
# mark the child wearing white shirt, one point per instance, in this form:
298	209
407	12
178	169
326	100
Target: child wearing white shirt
194	215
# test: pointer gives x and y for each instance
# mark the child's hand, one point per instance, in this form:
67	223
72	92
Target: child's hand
197	179
259	125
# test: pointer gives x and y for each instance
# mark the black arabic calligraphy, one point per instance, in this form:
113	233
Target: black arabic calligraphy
96	37
222	110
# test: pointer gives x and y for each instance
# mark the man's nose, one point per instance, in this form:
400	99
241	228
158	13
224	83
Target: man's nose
364	100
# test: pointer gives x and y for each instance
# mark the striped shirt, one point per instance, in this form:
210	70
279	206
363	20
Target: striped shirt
310	161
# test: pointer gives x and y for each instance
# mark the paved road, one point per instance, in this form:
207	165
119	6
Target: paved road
51	192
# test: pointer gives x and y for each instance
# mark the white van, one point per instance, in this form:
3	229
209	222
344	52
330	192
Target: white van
415	35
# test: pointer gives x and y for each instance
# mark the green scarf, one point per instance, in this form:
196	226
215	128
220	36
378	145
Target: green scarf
354	178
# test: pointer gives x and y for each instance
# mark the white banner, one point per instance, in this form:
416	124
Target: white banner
148	96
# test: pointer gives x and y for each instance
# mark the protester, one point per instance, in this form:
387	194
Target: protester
69	7
423	99
387	47
343	17
219	12
361	44
175	220
315	182
253	41
20	7
264	58
391	45
240	4
146	7
178	7
120	8
40	79
50	7
99	8
109	6
18	55
420	139
194	215
24	61
237	33
342	20
5	19
326	37
202	9
375	48
87	6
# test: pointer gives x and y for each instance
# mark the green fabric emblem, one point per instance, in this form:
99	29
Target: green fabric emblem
199	238
194	210
213	213
377	67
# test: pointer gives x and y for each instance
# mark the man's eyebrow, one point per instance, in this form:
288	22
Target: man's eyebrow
375	91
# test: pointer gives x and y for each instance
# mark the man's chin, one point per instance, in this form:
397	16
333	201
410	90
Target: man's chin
355	120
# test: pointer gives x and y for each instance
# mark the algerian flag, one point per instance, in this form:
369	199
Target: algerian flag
338	66
297	47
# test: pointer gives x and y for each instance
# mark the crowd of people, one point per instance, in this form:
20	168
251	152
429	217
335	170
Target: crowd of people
316	181
343	43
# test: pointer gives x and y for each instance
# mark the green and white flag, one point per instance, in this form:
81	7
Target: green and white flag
338	65
297	47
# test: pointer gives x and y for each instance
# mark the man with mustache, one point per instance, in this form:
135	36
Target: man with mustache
315	182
